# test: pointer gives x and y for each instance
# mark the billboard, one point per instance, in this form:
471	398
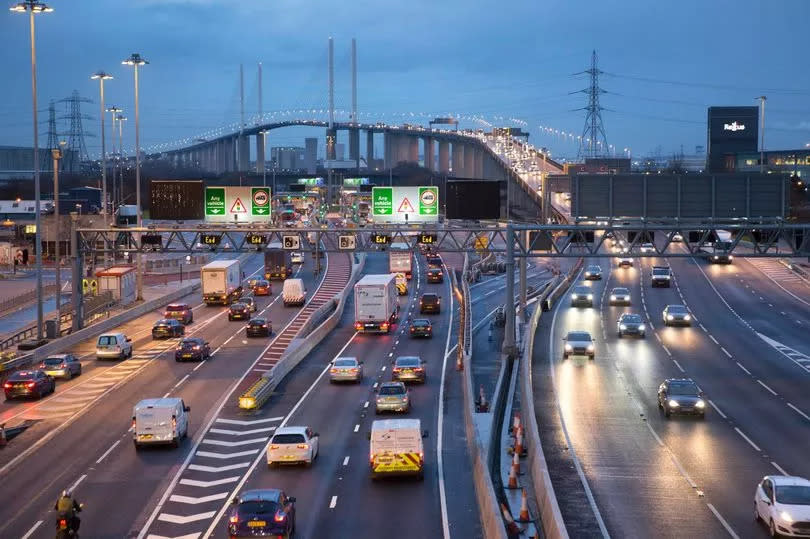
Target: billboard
405	204
473	199
237	204
176	200
731	130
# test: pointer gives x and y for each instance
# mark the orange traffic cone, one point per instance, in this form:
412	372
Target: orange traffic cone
512	478
516	422
519	442
516	463
511	526
524	508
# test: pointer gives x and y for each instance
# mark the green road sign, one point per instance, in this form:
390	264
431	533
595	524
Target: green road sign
260	196
382	201
214	201
428	201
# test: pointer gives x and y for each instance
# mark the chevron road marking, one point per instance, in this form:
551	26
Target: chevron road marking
193	500
217	469
187	536
226	455
233	444
795	356
240	433
206	484
179	519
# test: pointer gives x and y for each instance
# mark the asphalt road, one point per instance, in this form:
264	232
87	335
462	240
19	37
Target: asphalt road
684	477
86	422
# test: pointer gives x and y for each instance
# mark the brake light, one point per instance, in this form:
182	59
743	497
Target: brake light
279	517
274	447
412	329
353	369
358	326
234	519
397	369
133	422
62	523
384	325
418	369
7	385
30	384
303	446
333	371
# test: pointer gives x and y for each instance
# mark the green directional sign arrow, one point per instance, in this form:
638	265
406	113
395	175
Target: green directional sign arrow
214	201
382	201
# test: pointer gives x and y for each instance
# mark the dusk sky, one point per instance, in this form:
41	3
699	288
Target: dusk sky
664	64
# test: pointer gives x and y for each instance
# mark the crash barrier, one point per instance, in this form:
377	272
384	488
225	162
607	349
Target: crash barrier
562	286
258	393
491	520
21	299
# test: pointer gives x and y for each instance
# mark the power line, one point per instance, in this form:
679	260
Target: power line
708	85
593	134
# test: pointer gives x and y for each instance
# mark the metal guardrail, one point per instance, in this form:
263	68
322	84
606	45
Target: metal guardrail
21	299
257	394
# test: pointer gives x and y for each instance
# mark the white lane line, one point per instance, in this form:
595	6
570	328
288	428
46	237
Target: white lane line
32	530
440	424
713	339
333	502
365	405
357	427
374	385
666	350
346	461
200	364
725	524
72	487
770	305
743	368
747	439
799	412
716	409
782	471
655	435
383	368
107	452
657	336
725	352
774	393
703	328
183	379
675	361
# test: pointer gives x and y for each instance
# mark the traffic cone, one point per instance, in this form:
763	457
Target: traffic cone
516	422
524	508
516	463
511	526
512	478
519	442
483	406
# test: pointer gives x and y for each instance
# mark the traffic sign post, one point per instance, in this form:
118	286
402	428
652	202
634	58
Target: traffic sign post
428	201
260	197
382	201
347	242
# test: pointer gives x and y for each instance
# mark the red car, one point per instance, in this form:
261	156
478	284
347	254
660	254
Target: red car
262	288
33	383
179	311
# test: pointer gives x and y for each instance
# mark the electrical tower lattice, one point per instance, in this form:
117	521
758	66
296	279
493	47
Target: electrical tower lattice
593	141
76	148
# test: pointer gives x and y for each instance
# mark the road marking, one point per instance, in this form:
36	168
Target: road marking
240	433
795	356
713	339
223	443
703	328
72	488
725	524
770	305
107	452
194	500
782	471
183	379
357	427
365	405
346	461
245	422
440	424
179	519
223	456
655	434
716	409
333	502
383	368
32	530
206	484
725	352
374	385
675	361
667	351
743	368
217	469
774	393
747	439
200	364
799	412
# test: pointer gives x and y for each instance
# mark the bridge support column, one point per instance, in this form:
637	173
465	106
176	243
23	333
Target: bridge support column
370	149
444	157
458	160
479	162
354	147
243	153
469	161
388	150
429	151
413	149
331	140
260	153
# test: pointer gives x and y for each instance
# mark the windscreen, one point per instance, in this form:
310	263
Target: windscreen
344	363
53	361
793	494
247	509
683	389
579	336
107	340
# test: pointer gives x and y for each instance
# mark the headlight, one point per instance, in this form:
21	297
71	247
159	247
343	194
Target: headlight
670	317
590	348
587	274
673	403
612	297
784	515
574	296
730	257
568	347
700	403
622	327
641	327
687	317
590	296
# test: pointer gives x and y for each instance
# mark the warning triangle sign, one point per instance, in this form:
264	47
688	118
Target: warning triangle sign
238	207
406	206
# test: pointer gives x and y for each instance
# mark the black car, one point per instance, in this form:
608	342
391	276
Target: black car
258	327
430	303
421	327
681	396
192	348
262	513
435	275
29	384
238	311
168	327
434	260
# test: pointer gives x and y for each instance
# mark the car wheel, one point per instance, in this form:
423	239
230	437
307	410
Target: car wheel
175	442
772	529
38	395
70	375
757	518
667	413
136	444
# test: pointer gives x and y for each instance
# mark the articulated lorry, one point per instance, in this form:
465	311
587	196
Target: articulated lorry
277	262
400	259
221	282
375	303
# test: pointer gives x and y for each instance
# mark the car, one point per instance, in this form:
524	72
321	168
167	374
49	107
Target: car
262	288
31	383
647	248
593	272
675	237
620	296
435	275
430	303
782	502
681	396
252	282
421	327
408	369
346	369
676	315
192	348
258	327
434	260
630	324
61	366
179	311
167	327
624	259
297	257
262	513
578	343
660	276
292	445
238	311
113	345
392	397
582	296
250	302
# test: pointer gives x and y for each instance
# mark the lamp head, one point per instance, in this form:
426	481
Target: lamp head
134	59
30	5
101	75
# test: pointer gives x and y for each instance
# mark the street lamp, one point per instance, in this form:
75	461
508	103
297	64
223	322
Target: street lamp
136	61
101	76
32	7
121	119
113	110
56	154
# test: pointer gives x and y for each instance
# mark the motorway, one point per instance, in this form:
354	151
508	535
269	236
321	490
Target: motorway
747	350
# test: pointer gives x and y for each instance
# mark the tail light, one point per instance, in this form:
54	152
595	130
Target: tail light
174	422
353	370
274	447
358	326
8	385
333	371
303	446
396	369
195	347
418	369
133	423
62	523
384	325
234	519
412	329
439	273
30	384
280	516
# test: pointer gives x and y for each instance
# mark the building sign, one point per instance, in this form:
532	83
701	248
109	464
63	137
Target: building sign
734	126
237	204
405	204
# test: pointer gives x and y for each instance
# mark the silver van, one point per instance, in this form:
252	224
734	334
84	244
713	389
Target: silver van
113	346
159	421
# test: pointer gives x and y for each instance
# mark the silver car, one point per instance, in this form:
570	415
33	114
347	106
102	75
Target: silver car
346	369
582	296
630	324
676	315
392	397
620	296
578	343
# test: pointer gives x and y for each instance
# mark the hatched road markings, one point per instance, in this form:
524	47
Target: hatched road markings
795	356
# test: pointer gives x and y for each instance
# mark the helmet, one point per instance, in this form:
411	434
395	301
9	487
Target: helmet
66	493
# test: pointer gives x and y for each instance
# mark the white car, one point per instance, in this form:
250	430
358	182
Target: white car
113	346
647	248
293	445
782	502
579	343
297	257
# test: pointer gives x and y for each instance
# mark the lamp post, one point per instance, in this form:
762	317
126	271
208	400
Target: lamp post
32	7
263	133
136	61
113	110
762	100
56	154
121	119
101	76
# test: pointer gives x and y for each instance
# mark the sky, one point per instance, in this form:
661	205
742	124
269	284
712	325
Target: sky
489	62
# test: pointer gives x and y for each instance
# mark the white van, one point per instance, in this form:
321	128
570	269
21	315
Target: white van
113	345
294	292
396	448
159	421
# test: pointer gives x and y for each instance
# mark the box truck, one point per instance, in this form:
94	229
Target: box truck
375	303
400	259
221	282
277	262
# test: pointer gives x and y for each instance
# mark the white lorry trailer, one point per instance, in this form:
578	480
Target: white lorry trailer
221	282
375	303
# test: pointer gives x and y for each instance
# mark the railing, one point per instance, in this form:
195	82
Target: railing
25	297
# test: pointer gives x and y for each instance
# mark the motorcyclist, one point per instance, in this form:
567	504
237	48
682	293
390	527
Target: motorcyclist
68	508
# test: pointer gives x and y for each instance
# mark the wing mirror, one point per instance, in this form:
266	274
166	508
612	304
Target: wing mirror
129	340
186	408
424	434
291	499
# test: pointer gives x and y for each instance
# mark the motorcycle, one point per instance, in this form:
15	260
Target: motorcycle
64	527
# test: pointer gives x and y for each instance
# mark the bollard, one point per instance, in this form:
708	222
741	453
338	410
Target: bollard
3	439
519	449
516	422
482	404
